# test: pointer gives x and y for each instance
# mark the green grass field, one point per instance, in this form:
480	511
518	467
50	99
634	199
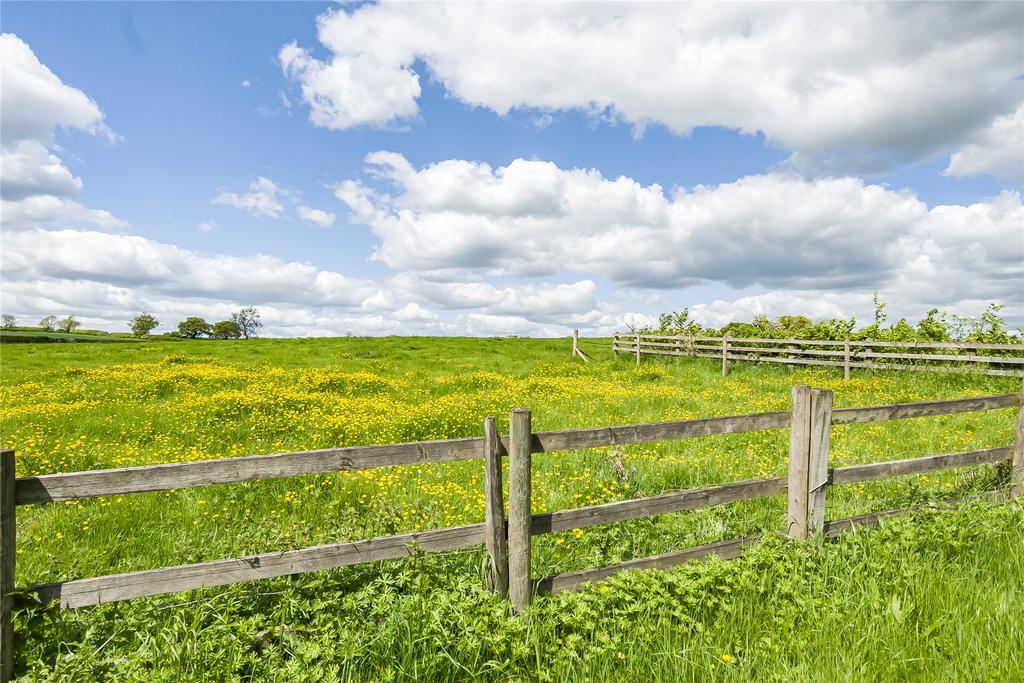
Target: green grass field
934	596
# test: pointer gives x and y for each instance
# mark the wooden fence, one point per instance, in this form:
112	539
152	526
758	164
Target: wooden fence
508	543
989	359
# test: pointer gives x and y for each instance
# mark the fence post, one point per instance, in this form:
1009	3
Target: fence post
846	360
1017	465
679	346
799	450
8	553
494	506
520	588
725	356
817	468
615	346
809	441
638	350
575	342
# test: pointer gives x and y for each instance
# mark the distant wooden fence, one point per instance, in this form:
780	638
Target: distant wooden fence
989	359
508	543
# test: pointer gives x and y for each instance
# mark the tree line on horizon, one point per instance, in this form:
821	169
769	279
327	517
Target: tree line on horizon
243	324
936	326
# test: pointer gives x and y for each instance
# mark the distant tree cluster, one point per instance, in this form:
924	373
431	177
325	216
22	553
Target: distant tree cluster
936	326
51	324
245	324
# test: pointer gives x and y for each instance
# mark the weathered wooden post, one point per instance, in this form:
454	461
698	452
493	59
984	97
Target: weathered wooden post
1017	464
575	343
799	448
615	346
494	506
817	467
725	356
520	588
679	346
638	350
846	360
8	553
809	440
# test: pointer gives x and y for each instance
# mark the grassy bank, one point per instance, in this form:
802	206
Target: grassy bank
71	407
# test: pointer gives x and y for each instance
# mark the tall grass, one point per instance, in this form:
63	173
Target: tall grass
87	406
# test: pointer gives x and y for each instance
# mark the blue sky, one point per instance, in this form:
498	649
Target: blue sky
196	101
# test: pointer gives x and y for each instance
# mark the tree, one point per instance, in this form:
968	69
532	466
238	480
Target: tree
68	324
248	321
193	328
933	327
9	321
880	315
142	324
49	323
226	329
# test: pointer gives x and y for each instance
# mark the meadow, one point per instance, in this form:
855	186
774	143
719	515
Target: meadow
934	596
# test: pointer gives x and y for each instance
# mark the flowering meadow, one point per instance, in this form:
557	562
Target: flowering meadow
69	407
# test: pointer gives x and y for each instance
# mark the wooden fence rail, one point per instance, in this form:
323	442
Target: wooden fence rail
508	543
989	359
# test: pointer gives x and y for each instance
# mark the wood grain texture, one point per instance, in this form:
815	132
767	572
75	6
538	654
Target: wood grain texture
115	587
836	363
594	437
799	452
830	342
708	496
903	411
818	455
1017	462
570	581
520	588
92	483
851	474
963	358
494	510
8	557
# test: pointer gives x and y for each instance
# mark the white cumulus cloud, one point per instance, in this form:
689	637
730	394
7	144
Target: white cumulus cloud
844	86
260	200
774	231
997	150
37	187
324	219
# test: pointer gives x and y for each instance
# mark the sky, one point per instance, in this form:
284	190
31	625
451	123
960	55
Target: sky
509	168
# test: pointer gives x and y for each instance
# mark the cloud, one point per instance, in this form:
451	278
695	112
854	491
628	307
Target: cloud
206	227
37	187
997	150
844	86
322	218
246	83
462	220
107	278
261	199
36	101
49	209
359	89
